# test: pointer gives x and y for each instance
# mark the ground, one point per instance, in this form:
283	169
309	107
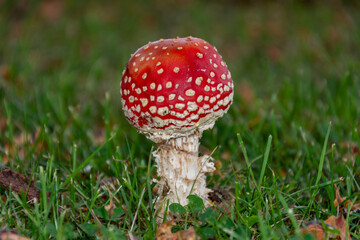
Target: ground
289	138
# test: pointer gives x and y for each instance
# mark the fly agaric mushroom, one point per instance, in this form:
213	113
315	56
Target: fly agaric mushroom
172	90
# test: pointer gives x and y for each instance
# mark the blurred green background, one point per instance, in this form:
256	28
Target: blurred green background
294	64
51	42
72	52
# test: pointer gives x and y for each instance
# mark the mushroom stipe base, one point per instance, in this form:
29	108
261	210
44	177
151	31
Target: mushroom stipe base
182	171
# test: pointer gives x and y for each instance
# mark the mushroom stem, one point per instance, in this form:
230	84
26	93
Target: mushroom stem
182	171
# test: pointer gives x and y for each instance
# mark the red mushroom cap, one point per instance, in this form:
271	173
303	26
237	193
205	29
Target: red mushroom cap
172	87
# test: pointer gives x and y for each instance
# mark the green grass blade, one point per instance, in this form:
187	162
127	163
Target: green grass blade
243	148
289	212
84	163
266	158
320	168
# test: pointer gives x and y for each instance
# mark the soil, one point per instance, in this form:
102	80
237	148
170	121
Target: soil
19	183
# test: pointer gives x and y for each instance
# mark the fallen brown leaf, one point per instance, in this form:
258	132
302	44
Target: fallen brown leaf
340	224
333	222
319	233
164	233
188	234
19	183
316	229
347	204
11	235
338	200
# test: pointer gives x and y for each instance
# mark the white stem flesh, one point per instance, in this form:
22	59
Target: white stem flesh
182	171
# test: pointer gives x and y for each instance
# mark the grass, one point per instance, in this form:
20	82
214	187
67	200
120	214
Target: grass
295	68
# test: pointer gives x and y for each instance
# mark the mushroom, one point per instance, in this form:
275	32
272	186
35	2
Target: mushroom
172	90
